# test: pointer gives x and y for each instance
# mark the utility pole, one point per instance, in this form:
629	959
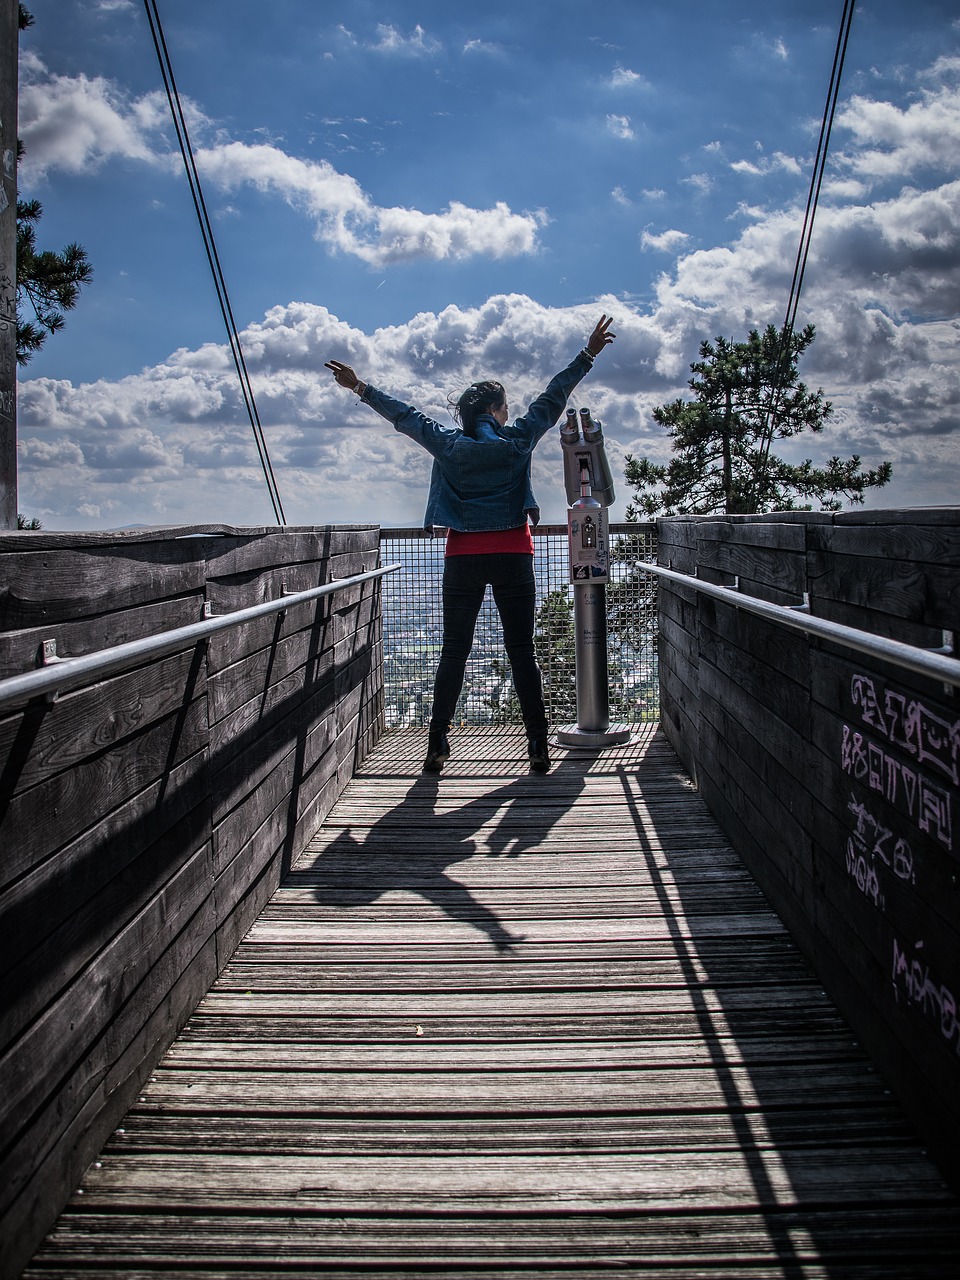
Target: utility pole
9	44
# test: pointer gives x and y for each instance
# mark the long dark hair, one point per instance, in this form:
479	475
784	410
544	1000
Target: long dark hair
479	397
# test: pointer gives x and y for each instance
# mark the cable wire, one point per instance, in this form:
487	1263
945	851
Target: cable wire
806	234
213	258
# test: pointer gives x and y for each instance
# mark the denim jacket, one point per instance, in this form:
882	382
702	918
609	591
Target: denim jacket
483	483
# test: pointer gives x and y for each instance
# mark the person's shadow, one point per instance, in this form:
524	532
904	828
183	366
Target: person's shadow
411	845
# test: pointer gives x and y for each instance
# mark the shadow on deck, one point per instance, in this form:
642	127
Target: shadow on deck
501	1024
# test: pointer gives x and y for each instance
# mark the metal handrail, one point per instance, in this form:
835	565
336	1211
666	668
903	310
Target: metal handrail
65	673
935	663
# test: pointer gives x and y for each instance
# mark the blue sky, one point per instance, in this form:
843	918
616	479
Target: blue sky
437	192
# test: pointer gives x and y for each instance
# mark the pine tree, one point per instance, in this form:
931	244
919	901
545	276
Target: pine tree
746	396
556	648
48	282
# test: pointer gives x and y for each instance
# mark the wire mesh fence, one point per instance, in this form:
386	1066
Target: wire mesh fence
413	632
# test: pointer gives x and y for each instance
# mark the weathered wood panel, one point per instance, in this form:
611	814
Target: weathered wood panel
678	654
836	776
50	1173
769	664
21	650
61	1058
138	845
42	819
57	922
902	571
894	747
53	585
774	562
499	1025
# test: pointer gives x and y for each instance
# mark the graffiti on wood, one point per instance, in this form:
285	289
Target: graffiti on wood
914	980
872	841
905	756
895	725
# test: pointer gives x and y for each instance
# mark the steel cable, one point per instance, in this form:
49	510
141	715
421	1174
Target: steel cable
213	258
806	234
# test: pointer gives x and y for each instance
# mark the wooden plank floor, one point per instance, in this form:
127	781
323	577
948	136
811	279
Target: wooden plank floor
496	1024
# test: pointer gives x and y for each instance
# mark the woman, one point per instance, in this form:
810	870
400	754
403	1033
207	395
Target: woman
480	490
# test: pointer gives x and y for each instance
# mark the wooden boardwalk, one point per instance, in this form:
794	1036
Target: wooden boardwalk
496	1024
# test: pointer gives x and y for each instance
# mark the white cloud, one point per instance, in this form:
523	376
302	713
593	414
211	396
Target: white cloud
844	189
778	162
391	40
198	454
624	78
769	48
483	46
347	221
892	143
874	274
790	164
620	126
701	182
172	443
59	452
76	124
665	242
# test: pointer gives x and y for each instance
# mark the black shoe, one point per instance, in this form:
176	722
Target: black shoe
539	755
438	752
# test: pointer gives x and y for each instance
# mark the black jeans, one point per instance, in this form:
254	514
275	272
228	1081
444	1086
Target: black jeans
465	579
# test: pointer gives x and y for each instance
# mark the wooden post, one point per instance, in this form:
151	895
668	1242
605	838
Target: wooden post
9	39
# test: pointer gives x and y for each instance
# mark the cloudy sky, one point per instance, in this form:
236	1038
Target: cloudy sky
439	191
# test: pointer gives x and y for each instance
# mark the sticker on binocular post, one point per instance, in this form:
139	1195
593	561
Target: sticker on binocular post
587	541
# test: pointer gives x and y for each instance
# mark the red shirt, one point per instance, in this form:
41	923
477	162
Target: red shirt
490	542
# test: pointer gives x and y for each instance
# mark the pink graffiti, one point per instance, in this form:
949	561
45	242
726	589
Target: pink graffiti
928	737
872	839
924	801
912	978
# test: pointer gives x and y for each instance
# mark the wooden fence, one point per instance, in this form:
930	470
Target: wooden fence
145	819
834	775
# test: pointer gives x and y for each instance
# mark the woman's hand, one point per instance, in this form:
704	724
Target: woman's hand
343	374
600	337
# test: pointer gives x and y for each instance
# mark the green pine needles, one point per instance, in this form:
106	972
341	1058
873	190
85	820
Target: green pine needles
746	397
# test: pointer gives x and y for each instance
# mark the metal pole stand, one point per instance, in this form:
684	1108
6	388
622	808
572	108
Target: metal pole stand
587	474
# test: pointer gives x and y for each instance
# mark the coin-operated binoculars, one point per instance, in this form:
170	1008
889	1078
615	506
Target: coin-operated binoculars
589	486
